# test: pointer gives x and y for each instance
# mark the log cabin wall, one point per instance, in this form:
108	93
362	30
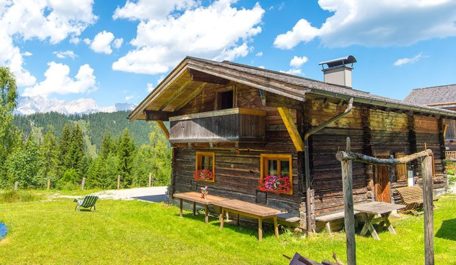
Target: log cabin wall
325	168
237	167
429	134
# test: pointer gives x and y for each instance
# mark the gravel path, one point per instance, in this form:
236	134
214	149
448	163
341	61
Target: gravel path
152	194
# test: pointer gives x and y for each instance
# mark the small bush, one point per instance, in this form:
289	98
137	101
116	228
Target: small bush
17	196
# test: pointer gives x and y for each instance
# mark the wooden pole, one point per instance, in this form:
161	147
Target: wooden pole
150	179
16	185
118	182
426	169
83	183
349	219
49	183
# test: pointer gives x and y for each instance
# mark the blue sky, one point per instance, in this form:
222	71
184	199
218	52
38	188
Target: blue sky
117	51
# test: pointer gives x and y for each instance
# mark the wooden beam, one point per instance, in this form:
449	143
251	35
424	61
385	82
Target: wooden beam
341	155
207	78
287	119
182	102
153	115
162	126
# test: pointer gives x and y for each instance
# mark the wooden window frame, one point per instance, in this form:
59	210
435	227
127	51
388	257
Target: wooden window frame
198	161
278	157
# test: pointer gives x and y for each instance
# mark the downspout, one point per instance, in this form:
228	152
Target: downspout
307	160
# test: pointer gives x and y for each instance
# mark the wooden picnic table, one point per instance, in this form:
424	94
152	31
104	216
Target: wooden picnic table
251	210
368	212
195	198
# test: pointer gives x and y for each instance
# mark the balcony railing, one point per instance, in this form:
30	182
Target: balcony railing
228	125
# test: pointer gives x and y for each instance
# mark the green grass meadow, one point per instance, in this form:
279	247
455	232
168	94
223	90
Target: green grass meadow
134	232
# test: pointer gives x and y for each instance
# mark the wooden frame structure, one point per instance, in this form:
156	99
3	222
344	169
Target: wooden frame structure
346	157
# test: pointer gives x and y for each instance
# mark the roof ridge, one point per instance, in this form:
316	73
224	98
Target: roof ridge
430	87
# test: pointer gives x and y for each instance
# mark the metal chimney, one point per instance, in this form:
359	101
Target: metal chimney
339	71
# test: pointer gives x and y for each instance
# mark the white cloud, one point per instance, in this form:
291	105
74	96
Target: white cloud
297	61
216	31
151	9
409	60
103	42
293	71
58	81
51	20
150	87
117	43
27	54
86	41
375	23
75	40
65	54
259	54
128	98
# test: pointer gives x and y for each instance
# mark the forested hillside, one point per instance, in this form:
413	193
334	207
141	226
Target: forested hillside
96	124
56	151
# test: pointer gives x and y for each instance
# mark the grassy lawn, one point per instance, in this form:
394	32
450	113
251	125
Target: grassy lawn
133	232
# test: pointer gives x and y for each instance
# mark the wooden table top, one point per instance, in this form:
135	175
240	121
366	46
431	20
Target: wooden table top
247	207
196	197
377	207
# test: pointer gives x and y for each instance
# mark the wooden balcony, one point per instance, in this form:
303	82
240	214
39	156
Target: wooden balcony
228	125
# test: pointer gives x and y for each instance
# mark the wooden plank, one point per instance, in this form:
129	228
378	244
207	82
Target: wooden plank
247	111
162	126
287	119
153	115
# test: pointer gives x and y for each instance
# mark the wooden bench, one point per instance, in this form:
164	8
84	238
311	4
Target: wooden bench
251	210
327	219
195	198
412	197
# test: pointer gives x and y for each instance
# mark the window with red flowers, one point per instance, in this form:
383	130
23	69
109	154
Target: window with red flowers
205	167
276	173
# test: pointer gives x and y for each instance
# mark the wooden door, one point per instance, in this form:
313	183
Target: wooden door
382	183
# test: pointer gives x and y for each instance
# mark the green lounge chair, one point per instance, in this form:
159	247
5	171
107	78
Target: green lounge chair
88	203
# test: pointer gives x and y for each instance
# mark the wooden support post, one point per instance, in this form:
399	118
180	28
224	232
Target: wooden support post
16	185
206	214
181	205
426	169
194	208
276	227
222	218
150	180
118	182
49	183
287	119
83	183
162	126
349	219
260	229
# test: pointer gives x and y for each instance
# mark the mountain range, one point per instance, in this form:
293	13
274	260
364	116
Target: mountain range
31	105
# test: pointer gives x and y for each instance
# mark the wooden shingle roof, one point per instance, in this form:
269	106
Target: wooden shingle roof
272	81
433	96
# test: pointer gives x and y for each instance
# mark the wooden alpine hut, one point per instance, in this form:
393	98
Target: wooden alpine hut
271	138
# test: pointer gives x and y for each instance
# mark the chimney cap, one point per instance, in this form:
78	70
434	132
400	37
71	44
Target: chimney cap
350	59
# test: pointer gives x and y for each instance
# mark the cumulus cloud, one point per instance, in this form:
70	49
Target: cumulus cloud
409	60
103	42
65	54
58	81
150	87
151	9
297	61
216	31
50	20
375	23
293	71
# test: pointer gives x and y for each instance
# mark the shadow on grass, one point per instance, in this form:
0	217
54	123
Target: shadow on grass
246	226
153	198
447	230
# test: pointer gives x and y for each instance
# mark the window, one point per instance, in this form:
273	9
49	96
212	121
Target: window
225	99
276	173
205	167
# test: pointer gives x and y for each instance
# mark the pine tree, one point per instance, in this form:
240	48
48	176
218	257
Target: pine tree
49	157
22	166
64	147
125	152
8	96
107	145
